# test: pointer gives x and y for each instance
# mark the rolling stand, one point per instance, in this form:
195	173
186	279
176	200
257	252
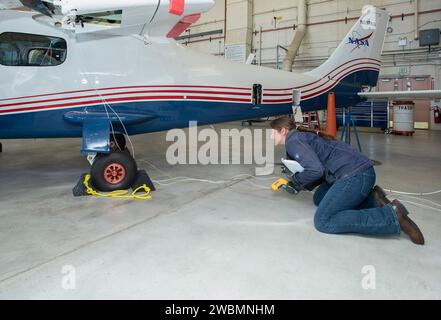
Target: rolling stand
348	121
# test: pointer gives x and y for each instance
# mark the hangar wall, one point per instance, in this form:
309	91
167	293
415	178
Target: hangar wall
262	25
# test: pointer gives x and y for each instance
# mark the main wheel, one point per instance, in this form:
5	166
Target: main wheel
115	171
117	142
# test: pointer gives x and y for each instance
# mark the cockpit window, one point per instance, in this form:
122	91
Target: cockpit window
31	50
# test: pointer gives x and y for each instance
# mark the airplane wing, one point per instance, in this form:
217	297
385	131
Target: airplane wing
43	7
154	18
403	95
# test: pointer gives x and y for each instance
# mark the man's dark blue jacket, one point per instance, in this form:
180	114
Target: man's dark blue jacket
331	160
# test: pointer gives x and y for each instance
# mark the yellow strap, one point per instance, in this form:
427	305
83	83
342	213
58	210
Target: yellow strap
121	194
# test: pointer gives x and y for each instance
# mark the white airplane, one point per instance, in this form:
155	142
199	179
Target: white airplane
104	69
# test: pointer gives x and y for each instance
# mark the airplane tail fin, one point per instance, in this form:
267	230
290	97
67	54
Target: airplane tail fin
360	50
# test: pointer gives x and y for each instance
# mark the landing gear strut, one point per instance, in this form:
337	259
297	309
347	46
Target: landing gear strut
114	171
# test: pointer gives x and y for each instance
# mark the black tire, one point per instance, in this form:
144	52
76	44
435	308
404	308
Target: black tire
120	143
119	163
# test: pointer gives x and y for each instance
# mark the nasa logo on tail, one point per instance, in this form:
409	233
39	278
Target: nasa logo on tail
358	41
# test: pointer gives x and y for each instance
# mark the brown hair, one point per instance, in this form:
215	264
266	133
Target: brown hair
289	124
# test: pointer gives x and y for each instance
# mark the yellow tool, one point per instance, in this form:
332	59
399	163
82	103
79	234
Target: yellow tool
276	186
122	194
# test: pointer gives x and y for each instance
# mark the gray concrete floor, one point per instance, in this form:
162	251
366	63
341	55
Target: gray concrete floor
195	240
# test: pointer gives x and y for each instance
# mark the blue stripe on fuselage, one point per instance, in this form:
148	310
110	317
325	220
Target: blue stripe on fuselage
176	114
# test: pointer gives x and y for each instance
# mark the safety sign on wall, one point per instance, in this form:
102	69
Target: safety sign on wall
236	52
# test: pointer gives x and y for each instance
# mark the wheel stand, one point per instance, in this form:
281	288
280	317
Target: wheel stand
348	121
142	179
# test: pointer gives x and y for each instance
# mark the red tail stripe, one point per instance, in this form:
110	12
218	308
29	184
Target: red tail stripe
321	85
324	90
337	82
337	74
309	84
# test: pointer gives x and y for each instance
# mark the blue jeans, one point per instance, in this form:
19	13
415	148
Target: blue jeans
349	206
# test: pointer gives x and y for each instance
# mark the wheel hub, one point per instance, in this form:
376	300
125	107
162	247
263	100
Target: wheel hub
114	173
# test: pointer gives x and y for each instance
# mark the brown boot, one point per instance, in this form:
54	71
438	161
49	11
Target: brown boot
380	197
406	224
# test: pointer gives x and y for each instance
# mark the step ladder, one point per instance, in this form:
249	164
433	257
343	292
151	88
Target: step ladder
311	120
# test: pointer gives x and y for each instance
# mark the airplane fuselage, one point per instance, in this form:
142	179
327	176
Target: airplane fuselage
152	84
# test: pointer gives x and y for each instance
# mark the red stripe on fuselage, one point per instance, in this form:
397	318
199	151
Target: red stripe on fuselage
126	87
101	102
128	92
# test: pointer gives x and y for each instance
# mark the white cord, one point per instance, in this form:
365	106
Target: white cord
106	104
156	168
46	55
111	127
164	182
421	205
175	180
245	178
418	204
422	199
413	194
125	130
239	178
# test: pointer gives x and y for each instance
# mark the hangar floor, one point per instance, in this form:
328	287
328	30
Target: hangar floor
196	240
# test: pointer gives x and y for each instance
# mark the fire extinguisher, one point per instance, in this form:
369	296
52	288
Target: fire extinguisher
436	115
